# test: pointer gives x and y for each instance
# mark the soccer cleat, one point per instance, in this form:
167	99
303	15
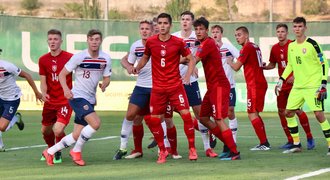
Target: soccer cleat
225	152
76	158
119	154
310	144
293	149
176	155
232	156
57	157
2	149
288	145
213	141
162	157
193	154
210	153
49	158
42	157
19	123
261	147
152	144
134	154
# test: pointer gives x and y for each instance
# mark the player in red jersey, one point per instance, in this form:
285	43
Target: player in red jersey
215	102
250	57
56	111
165	51
278	55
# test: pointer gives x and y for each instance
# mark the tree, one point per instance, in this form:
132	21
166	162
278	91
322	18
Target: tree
92	10
30	5
176	7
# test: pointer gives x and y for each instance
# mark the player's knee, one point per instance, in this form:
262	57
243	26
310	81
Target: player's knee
130	116
319	116
2	128
58	132
289	113
169	122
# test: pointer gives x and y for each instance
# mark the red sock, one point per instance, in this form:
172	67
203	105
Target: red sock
138	133
229	141
189	130
196	124
305	124
172	138
157	130
59	138
147	119
259	128
284	124
49	139
216	131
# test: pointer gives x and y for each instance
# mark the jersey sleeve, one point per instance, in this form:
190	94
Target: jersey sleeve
324	62
147	50
243	55
72	63
42	70
233	50
108	68
131	56
272	58
202	51
288	68
11	68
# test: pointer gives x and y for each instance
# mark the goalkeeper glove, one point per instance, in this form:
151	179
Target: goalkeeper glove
278	86
321	93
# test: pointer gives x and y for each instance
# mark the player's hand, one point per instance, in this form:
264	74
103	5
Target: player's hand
278	86
130	70
45	97
229	59
186	79
290	80
39	96
195	72
103	86
68	94
321	93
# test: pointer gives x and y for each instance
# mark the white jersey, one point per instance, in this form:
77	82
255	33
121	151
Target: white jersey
9	91
135	54
88	72
190	41
228	50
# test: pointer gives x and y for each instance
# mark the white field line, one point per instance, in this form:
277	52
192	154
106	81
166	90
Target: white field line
310	174
44	145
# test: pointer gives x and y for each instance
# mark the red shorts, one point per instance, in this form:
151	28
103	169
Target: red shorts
282	99
161	97
215	102
255	99
56	113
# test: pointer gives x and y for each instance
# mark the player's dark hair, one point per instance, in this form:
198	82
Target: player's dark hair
243	28
92	32
165	15
201	21
282	25
299	20
188	13
54	31
217	26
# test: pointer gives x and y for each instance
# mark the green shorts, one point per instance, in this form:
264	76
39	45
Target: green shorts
298	97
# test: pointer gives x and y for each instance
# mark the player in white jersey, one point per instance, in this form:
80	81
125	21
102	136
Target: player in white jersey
89	66
10	95
192	91
227	50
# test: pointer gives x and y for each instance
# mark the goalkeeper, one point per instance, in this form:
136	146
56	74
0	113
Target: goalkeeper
310	68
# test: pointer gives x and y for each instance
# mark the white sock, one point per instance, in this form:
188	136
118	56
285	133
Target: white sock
1	142
126	129
205	135
86	133
65	142
233	126
166	143
12	122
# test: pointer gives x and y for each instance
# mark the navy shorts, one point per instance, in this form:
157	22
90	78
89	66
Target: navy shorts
140	97
232	97
8	108
193	94
82	108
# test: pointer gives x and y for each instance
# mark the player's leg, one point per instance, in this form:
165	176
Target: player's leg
47	122
282	100
303	119
138	133
231	113
171	132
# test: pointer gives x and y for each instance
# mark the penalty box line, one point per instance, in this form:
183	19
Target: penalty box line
310	174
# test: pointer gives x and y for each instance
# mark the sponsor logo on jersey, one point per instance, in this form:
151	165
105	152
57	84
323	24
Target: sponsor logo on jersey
163	46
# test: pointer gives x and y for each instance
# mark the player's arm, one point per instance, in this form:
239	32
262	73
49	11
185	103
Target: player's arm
270	65
143	61
62	77
43	88
191	67
234	65
29	79
105	83
321	93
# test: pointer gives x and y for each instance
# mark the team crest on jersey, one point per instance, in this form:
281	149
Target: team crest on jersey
304	50
102	66
54	68
282	56
86	107
163	52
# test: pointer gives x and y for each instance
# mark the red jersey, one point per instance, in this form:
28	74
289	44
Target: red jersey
212	64
51	66
250	57
165	60
279	55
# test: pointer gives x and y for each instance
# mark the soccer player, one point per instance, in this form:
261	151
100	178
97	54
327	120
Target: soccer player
250	57
278	55
89	66
165	51
216	99
310	68
227	50
56	112
192	89
10	95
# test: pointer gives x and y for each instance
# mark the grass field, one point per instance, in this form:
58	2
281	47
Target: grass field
25	164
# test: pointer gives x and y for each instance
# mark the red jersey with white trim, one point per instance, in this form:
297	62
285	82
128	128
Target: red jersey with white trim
279	55
250	57
214	73
165	60
51	66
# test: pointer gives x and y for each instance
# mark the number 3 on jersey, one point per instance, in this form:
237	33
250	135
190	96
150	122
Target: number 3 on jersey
162	62
86	74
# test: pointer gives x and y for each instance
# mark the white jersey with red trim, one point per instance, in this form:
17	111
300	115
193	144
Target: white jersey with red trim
88	72
136	52
9	91
225	51
190	42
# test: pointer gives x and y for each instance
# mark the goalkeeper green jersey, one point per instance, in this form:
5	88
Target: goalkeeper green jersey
308	64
